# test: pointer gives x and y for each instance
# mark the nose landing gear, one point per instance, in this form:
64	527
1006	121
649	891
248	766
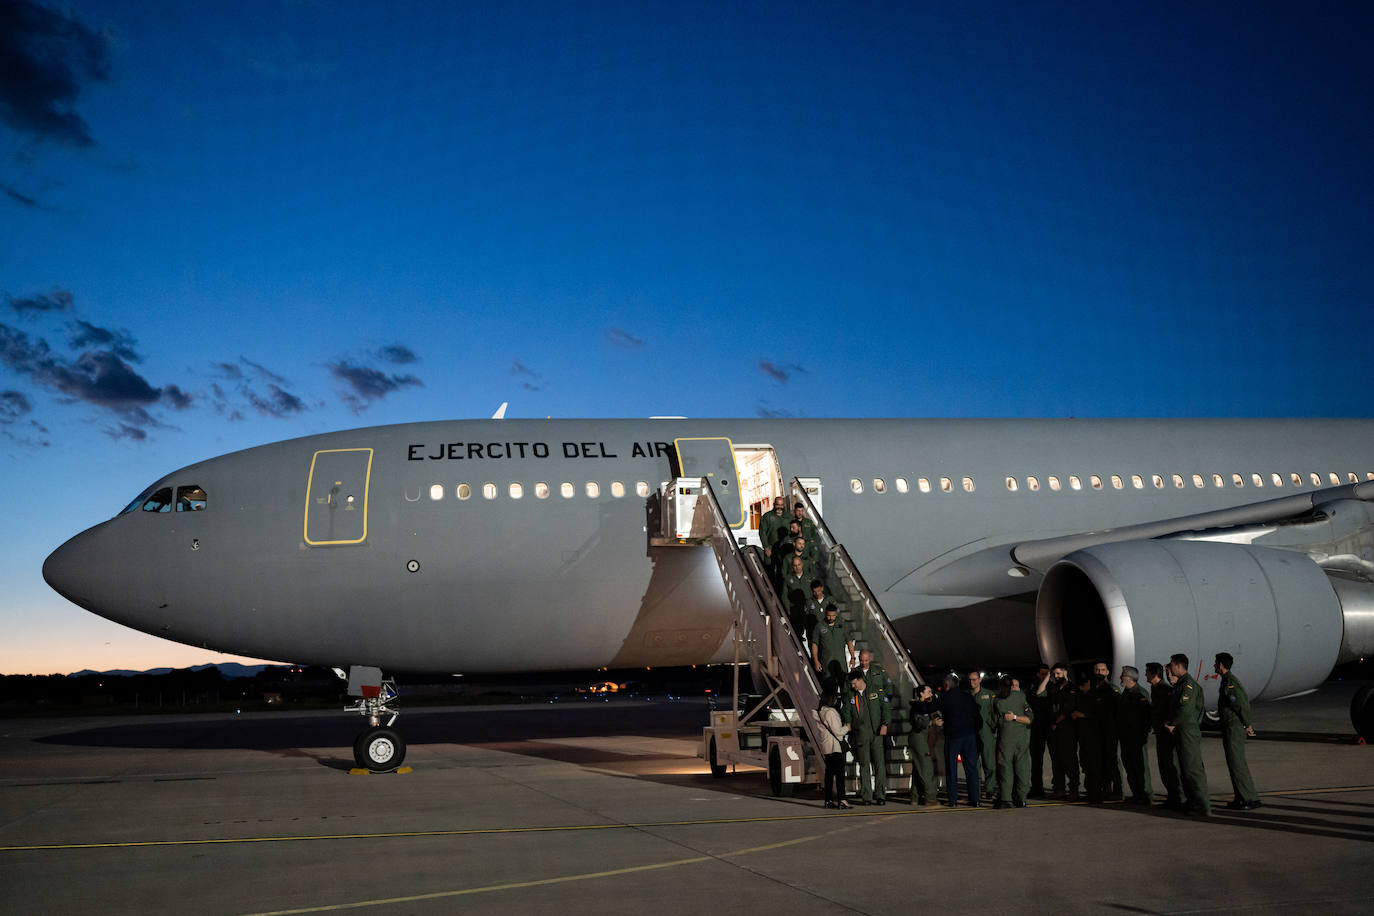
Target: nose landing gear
379	748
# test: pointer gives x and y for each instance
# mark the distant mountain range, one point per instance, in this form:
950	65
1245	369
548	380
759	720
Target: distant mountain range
230	670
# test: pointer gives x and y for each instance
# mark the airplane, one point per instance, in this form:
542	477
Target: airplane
509	544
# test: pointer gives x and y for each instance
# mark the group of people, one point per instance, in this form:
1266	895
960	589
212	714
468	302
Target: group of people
1094	731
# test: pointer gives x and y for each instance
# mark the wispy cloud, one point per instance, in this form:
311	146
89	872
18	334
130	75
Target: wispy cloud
366	384
278	402
120	343
529	379
619	337
398	354
59	300
779	374
49	57
13	406
19	197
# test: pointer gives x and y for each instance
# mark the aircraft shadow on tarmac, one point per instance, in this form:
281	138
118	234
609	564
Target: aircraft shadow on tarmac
493	727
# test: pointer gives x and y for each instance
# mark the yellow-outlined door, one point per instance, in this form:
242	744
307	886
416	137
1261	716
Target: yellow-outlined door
336	496
714	458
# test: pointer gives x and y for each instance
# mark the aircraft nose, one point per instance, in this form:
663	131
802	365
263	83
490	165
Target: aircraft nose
73	570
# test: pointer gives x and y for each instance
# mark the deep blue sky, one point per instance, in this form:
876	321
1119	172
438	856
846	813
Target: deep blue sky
227	225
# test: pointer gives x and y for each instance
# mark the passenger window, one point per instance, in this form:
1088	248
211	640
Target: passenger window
541	490
1237	480
856	485
641	488
489	491
593	489
923	484
946	485
1257	480
566	490
464	491
617	489
1054	482
1033	483
1352	476
968	484
1198	481
1157	481
1335	479
879	485
1296	479
1074	482
1178	481
190	499
901	485
161	501
1316	479
1217	481
1095	481
516	491
1139	484
1011	484
1116	482
436	492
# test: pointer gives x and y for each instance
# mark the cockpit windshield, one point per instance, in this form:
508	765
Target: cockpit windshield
189	498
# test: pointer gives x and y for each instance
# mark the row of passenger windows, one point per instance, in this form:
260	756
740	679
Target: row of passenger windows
541	490
1114	481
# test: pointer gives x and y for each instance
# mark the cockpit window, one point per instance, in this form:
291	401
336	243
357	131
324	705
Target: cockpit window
161	501
190	499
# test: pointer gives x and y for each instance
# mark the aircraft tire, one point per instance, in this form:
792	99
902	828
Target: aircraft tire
379	749
779	788
1362	713
717	768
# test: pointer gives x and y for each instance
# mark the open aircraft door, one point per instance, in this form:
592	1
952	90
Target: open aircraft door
336	497
714	459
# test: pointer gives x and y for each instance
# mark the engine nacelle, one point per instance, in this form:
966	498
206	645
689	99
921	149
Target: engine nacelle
1141	601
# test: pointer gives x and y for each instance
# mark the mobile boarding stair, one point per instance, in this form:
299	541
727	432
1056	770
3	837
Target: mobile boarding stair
870	629
779	732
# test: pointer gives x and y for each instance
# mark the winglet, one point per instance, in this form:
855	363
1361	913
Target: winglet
501	411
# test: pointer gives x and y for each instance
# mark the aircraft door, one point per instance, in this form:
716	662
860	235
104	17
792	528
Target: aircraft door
714	458
336	497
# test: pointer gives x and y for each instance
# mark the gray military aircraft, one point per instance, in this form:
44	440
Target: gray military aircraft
502	545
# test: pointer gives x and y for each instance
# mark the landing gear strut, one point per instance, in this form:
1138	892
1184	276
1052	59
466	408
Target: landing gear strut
379	748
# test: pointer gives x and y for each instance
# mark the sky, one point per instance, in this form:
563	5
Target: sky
229	224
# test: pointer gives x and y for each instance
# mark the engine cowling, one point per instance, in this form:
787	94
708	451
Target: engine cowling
1134	602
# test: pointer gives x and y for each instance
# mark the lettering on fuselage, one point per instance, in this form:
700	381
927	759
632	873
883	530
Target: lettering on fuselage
455	451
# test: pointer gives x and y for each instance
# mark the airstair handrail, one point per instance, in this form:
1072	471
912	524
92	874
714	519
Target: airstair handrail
874	612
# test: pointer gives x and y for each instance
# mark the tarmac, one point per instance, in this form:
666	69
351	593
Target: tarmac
602	807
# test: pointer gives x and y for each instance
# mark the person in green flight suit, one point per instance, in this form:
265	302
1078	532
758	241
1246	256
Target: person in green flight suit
1133	732
1185	723
807	554
808	528
923	786
773	526
1234	706
1014	717
795	591
832	651
1166	751
1062	699
987	725
867	714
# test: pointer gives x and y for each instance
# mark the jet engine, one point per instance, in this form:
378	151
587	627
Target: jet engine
1283	618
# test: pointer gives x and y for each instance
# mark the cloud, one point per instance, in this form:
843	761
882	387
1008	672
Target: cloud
279	403
229	371
59	300
399	354
773	413
529	379
176	397
48	58
779	374
120	343
18	196
127	431
263	372
619	337
99	377
368	384
13	405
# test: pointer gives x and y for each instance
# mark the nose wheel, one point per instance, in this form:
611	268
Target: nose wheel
379	749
